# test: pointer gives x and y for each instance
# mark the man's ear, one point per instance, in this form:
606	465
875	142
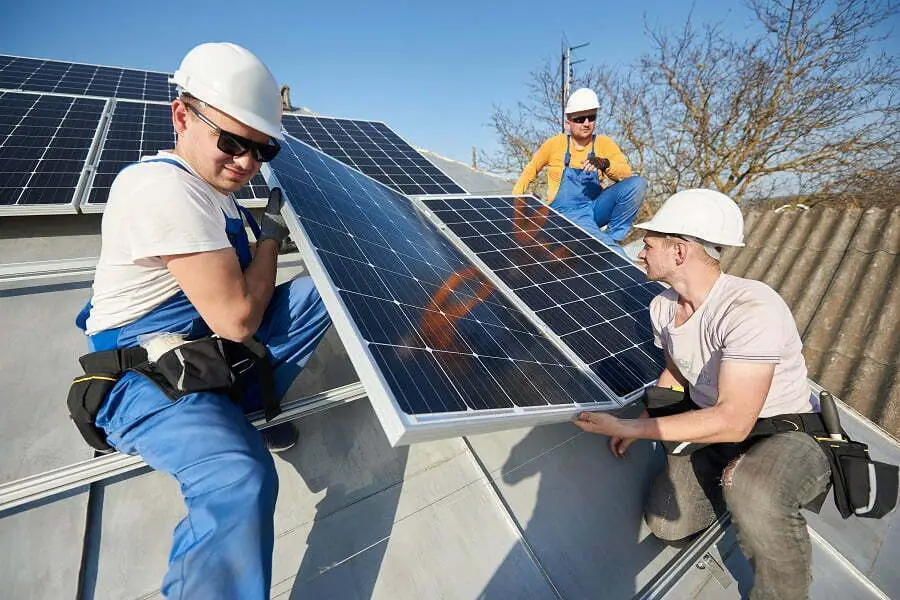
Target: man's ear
682	247
179	116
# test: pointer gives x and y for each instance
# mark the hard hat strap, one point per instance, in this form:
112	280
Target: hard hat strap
712	250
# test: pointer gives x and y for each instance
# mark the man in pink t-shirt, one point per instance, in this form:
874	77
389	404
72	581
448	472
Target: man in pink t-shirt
733	345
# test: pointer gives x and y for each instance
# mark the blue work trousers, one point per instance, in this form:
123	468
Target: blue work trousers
617	206
581	200
222	549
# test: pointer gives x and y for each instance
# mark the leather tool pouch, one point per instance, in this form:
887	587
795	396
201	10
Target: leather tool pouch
862	486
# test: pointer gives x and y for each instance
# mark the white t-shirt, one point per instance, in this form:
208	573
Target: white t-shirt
154	209
741	320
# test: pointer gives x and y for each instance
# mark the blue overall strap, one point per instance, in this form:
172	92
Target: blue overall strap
82	316
569	154
176	314
170	161
254	226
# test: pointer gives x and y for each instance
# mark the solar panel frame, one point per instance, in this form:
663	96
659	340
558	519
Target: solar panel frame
401	427
363	160
607	361
67	129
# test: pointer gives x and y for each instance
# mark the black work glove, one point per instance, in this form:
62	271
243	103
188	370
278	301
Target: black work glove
602	164
272	225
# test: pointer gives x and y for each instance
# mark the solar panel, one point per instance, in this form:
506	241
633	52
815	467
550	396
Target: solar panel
255	193
374	149
136	129
44	144
592	298
139	129
52	76
440	348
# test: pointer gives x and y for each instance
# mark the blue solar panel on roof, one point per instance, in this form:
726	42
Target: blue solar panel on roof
374	149
595	300
136	129
44	143
444	339
140	129
52	76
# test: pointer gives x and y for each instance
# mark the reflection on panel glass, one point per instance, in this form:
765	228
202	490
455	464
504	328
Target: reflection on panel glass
594	299
444	339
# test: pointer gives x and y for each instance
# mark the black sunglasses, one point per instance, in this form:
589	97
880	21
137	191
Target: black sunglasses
583	118
235	145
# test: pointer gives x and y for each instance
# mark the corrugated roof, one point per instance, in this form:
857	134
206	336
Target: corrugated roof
839	271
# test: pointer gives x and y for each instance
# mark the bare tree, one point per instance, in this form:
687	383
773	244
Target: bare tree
803	95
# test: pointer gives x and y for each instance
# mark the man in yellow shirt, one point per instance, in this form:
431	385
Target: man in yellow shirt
579	162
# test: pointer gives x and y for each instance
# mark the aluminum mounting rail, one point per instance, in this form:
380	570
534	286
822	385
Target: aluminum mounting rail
53	483
71	270
46	272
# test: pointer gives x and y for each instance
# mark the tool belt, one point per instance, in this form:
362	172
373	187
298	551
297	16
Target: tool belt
862	486
208	364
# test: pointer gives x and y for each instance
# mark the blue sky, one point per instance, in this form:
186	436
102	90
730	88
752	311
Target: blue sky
430	70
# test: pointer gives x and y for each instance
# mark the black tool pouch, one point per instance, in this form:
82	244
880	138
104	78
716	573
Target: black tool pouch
86	395
862	486
88	392
217	365
196	366
663	402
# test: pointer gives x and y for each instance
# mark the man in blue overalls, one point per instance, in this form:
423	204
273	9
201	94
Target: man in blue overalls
580	162
175	260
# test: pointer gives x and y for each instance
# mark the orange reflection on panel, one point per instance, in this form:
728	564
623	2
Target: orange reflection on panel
528	227
442	311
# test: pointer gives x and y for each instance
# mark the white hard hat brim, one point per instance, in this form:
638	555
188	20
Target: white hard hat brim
233	80
200	92
657	228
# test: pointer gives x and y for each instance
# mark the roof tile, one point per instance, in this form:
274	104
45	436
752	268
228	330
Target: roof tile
839	271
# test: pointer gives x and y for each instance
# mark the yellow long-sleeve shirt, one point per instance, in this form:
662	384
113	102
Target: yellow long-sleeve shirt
553	153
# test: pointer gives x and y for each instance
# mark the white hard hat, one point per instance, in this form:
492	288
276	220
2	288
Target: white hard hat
707	215
582	99
233	80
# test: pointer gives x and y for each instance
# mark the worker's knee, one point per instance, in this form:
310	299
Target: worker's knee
633	188
261	475
671	530
249	481
751	495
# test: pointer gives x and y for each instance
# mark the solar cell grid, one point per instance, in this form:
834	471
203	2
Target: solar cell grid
373	149
596	301
38	75
136	129
140	129
44	143
444	339
255	191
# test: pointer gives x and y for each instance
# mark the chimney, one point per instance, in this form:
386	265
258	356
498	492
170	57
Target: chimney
286	99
